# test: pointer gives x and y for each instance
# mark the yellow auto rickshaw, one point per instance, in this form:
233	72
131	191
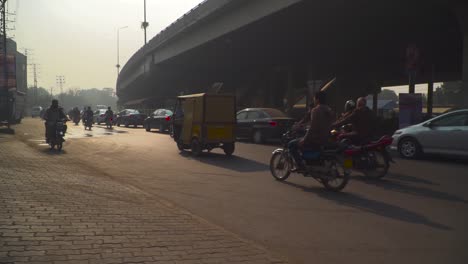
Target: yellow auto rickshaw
204	122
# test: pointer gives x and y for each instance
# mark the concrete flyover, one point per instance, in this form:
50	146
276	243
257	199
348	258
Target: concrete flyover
268	51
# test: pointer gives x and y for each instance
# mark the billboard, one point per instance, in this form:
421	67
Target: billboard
410	106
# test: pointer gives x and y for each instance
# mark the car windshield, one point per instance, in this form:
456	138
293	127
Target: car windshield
169	112
274	112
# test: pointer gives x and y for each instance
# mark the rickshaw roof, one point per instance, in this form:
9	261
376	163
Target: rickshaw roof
192	95
203	94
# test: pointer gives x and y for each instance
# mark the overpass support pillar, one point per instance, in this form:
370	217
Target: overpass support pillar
462	14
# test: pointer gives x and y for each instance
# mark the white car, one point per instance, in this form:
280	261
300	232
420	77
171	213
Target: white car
445	134
36	111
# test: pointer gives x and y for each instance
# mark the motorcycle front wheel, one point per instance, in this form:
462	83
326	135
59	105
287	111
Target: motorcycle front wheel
280	165
337	177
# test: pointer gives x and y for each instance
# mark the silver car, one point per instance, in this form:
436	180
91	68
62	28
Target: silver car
446	134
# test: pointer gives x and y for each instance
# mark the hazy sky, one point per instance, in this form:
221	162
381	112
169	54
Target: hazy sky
78	38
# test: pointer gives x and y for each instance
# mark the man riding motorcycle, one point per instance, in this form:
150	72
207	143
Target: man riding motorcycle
51	116
109	115
321	118
88	116
75	114
361	120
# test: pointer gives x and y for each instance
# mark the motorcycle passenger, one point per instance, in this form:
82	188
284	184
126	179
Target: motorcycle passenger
302	124
109	115
361	119
321	118
51	116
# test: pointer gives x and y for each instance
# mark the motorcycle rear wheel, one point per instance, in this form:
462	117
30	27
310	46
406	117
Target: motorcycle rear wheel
280	166
381	167
339	177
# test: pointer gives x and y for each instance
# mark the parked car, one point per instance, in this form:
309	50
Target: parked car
160	119
444	134
36	111
262	124
99	116
129	117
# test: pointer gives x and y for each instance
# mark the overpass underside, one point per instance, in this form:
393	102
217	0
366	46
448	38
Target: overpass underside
269	62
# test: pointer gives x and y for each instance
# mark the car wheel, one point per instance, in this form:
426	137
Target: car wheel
161	128
148	127
257	137
180	145
409	148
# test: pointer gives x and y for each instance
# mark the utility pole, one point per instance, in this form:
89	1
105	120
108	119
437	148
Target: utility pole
35	83
118	50
145	23
60	82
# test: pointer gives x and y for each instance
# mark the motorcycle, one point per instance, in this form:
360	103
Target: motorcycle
109	122
76	119
88	123
57	139
324	166
371	158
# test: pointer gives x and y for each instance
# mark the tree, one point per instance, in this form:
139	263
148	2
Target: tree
387	94
449	93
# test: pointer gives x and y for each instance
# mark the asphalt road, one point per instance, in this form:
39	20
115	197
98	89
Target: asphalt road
417	214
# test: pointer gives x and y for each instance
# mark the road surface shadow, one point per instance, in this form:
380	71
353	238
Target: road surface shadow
371	206
8	131
412	190
445	159
54	152
234	163
267	143
407	178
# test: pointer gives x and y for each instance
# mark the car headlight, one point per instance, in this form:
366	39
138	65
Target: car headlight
398	132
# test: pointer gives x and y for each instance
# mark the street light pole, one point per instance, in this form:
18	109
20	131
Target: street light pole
145	23
118	50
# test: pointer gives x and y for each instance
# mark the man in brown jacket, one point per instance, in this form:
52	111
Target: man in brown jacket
321	118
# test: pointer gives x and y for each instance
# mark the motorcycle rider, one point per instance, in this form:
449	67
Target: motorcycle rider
88	115
361	120
75	114
321	118
51	116
109	115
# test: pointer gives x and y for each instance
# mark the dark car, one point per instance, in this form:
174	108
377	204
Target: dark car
160	119
262	124
129	117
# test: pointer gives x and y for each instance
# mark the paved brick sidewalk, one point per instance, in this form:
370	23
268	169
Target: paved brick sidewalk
55	211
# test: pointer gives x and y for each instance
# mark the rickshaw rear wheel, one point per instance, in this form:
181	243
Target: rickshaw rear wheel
228	148
180	145
196	147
